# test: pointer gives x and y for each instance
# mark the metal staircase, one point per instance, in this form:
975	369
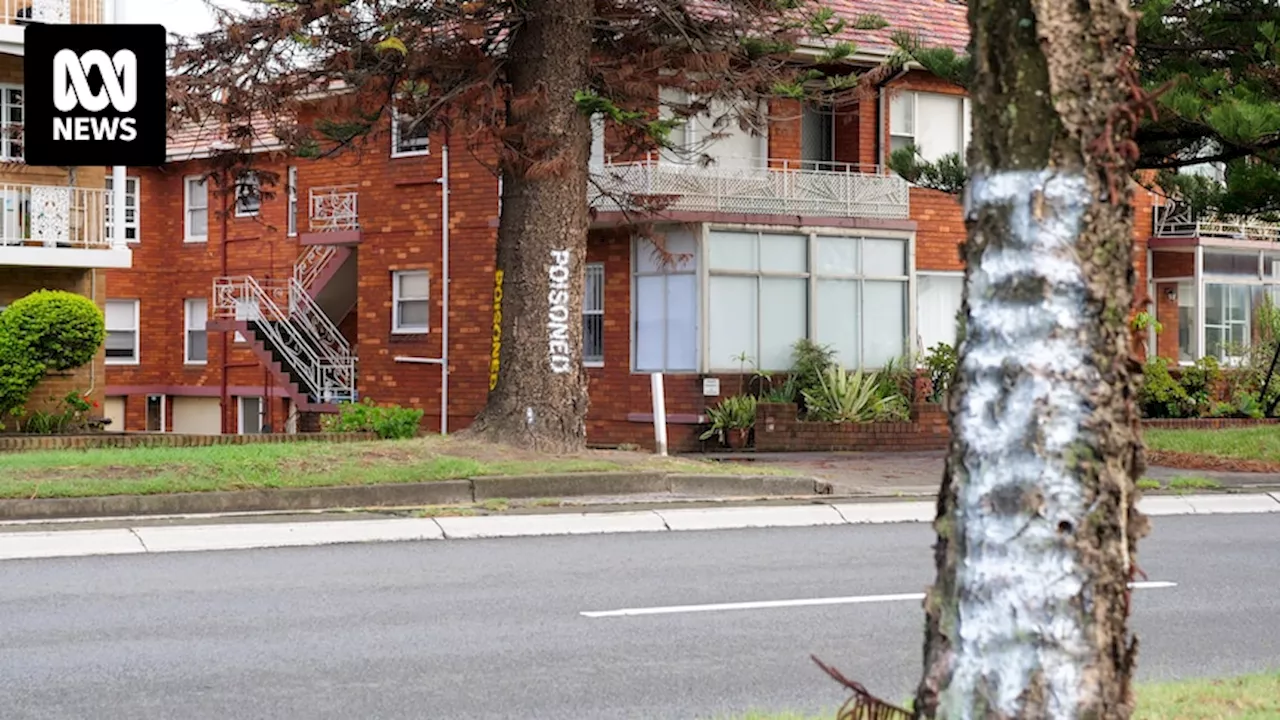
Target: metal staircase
296	339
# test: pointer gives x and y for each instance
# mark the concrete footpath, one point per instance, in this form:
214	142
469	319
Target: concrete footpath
124	536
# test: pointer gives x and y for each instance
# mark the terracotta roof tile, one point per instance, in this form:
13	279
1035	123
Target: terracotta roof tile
938	22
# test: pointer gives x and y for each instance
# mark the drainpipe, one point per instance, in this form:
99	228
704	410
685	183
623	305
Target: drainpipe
443	360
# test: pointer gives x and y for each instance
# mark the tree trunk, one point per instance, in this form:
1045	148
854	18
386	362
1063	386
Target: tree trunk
1036	522
540	399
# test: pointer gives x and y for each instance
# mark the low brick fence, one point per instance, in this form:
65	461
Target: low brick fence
21	443
779	429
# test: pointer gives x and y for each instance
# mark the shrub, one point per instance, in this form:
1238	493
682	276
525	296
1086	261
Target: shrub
389	422
809	363
844	397
45	331
1161	396
898	376
737	412
1200	382
941	362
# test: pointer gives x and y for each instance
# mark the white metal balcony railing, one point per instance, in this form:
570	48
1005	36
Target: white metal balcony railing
1174	221
53	216
334	209
54	12
752	186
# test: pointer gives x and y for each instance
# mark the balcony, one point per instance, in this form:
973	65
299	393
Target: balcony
57	226
1176	225
16	14
750	186
333	216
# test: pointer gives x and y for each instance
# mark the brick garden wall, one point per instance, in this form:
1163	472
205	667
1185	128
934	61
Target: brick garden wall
778	429
27	443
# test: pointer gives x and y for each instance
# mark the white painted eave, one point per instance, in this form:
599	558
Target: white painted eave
56	257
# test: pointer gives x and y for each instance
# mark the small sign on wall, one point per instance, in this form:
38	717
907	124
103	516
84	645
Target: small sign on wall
711	387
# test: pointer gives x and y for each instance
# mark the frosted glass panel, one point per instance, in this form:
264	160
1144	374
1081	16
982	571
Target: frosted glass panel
784	253
682	322
679	244
650	322
886	327
837	318
733	320
837	256
940	126
902	113
783	321
937	302
884	258
119	315
734	251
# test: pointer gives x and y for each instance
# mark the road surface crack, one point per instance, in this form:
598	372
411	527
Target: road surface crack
141	542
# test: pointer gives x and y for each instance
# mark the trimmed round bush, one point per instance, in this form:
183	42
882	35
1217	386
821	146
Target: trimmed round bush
48	330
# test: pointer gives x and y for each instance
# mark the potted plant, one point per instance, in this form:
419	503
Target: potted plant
732	420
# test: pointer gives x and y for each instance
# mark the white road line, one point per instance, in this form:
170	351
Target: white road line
807	602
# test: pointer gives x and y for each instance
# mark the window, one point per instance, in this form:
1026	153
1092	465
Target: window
11	119
937	304
817	137
593	316
292	229
130	209
717	133
937	125
1226	319
861	301
248	195
666	304
155	413
196	337
759	298
196	208
410	136
122	332
410	300
250	416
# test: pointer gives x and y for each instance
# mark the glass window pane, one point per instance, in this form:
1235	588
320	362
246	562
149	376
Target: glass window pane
678	244
197	314
119	343
198	346
593	338
733	320
119	315
1186	321
884	258
650	322
902	113
885	328
593	295
413	313
837	256
199	223
784	253
734	251
837	316
1214	304
1238	264
783	320
937	302
413	285
197	193
940	124
682	322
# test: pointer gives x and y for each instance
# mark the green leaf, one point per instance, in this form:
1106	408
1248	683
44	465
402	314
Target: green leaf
392	43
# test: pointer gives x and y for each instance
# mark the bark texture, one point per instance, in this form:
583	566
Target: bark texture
1036	521
540	399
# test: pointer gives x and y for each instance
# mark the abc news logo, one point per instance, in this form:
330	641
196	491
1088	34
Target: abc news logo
95	95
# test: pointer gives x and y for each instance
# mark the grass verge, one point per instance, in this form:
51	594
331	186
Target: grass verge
1247	443
1253	697
151	471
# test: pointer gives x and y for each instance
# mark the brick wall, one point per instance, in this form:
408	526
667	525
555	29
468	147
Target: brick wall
778	429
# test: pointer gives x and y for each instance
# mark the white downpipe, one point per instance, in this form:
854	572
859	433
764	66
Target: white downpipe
118	189
659	413
443	360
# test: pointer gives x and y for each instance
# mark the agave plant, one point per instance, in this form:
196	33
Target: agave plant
844	397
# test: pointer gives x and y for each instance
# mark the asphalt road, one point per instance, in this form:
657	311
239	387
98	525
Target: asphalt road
493	629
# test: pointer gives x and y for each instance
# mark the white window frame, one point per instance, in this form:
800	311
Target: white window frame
187	209
244	210
187	330
292	219
964	127
411	150
7	142
240	414
396	299
132	186
702	269
597	269
137	334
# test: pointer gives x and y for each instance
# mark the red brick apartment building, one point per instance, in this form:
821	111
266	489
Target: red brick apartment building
336	287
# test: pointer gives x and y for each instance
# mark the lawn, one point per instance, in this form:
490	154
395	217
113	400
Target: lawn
1248	443
1255	697
149	471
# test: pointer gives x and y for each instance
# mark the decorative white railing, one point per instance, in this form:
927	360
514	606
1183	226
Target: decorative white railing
753	186
334	208
54	12
53	216
309	343
1176	221
311	264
